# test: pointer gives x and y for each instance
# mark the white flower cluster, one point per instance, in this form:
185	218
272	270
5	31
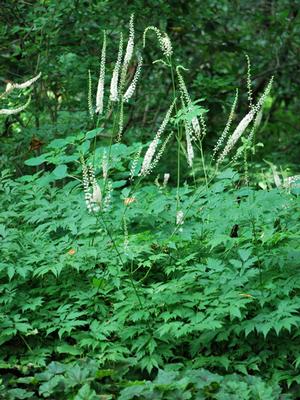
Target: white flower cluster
11	111
239	130
10	87
108	196
118	79
292	182
114	95
166	179
189	147
163	39
179	217
187	101
160	152
166	46
227	127
131	89
135	161
148	165
100	88
128	53
92	191
249	85
263	96
90	102
104	165
130	43
244	123
196	127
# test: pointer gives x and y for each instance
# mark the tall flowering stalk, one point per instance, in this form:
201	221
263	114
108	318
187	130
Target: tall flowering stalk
239	130
187	101
108	196
114	91
135	161
249	84
11	111
244	123
163	40
10	87
128	53
131	89
161	151
90	101
189	147
127	59
100	88
130	43
264	95
147	164
92	191
227	127
104	165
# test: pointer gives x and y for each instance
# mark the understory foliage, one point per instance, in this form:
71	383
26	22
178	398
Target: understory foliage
146	283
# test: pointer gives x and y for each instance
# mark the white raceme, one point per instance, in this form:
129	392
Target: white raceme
131	89
147	162
100	87
239	130
189	147
114	91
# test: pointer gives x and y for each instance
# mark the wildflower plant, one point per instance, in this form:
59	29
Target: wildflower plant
142	275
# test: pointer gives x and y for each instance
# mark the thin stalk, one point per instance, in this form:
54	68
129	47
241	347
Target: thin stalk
256	244
178	137
121	260
203	164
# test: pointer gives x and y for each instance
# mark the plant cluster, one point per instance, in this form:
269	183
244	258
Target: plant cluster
113	286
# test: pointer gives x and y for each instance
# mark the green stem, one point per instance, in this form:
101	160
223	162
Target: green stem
178	137
121	260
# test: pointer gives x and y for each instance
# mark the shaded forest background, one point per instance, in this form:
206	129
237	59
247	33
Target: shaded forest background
63	40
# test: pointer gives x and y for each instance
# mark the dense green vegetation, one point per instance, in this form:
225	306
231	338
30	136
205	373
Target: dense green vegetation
150	193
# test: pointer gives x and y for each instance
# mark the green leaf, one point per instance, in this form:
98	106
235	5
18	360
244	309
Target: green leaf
118	184
91	134
33	162
20	394
85	146
58	143
68	349
10	271
86	393
244	254
60	171
229	173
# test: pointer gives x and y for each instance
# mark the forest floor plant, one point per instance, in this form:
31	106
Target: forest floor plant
143	290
